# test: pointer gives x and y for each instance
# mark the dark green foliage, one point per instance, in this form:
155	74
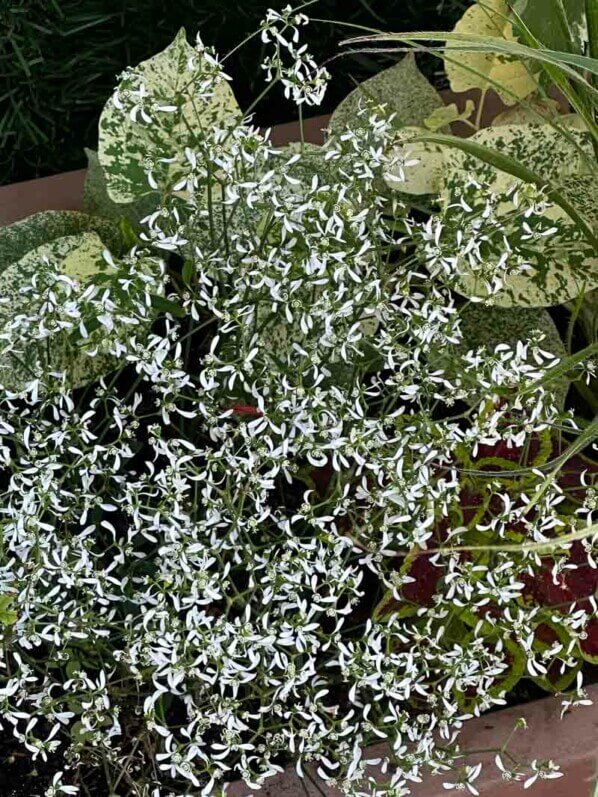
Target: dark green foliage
59	60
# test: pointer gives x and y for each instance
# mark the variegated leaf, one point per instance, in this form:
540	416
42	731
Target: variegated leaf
21	237
491	326
150	119
562	265
583	190
401	88
532	113
417	166
540	147
78	257
97	201
470	70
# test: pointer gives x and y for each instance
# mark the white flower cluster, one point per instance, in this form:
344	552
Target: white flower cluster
201	548
302	79
476	236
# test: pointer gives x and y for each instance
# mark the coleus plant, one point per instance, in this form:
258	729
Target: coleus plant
314	496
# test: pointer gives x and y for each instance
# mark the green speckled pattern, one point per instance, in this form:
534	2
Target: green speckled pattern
97	201
490	326
402	88
21	237
539	147
127	148
563	265
78	256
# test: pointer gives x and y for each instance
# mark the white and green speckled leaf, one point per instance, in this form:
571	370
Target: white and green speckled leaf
557	275
471	70
402	88
97	201
311	161
151	117
79	257
419	165
21	237
539	147
563	265
482	325
584	191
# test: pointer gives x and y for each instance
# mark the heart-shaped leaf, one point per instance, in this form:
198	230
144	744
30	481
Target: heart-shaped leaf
150	119
417	167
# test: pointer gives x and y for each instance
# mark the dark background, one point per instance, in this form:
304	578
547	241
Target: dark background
59	60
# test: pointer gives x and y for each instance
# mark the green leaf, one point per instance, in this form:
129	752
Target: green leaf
7	615
482	325
97	202
588	316
559	676
484	70
21	237
188	272
129	235
130	146
73	666
164	305
563	264
402	88
77	256
591	8
545	20
79	734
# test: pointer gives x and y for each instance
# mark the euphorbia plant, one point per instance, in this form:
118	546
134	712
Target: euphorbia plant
311	499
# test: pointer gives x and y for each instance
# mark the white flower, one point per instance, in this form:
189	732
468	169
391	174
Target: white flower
58	787
466	777
545	770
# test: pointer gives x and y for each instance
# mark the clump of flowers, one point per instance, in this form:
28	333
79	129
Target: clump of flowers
282	525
